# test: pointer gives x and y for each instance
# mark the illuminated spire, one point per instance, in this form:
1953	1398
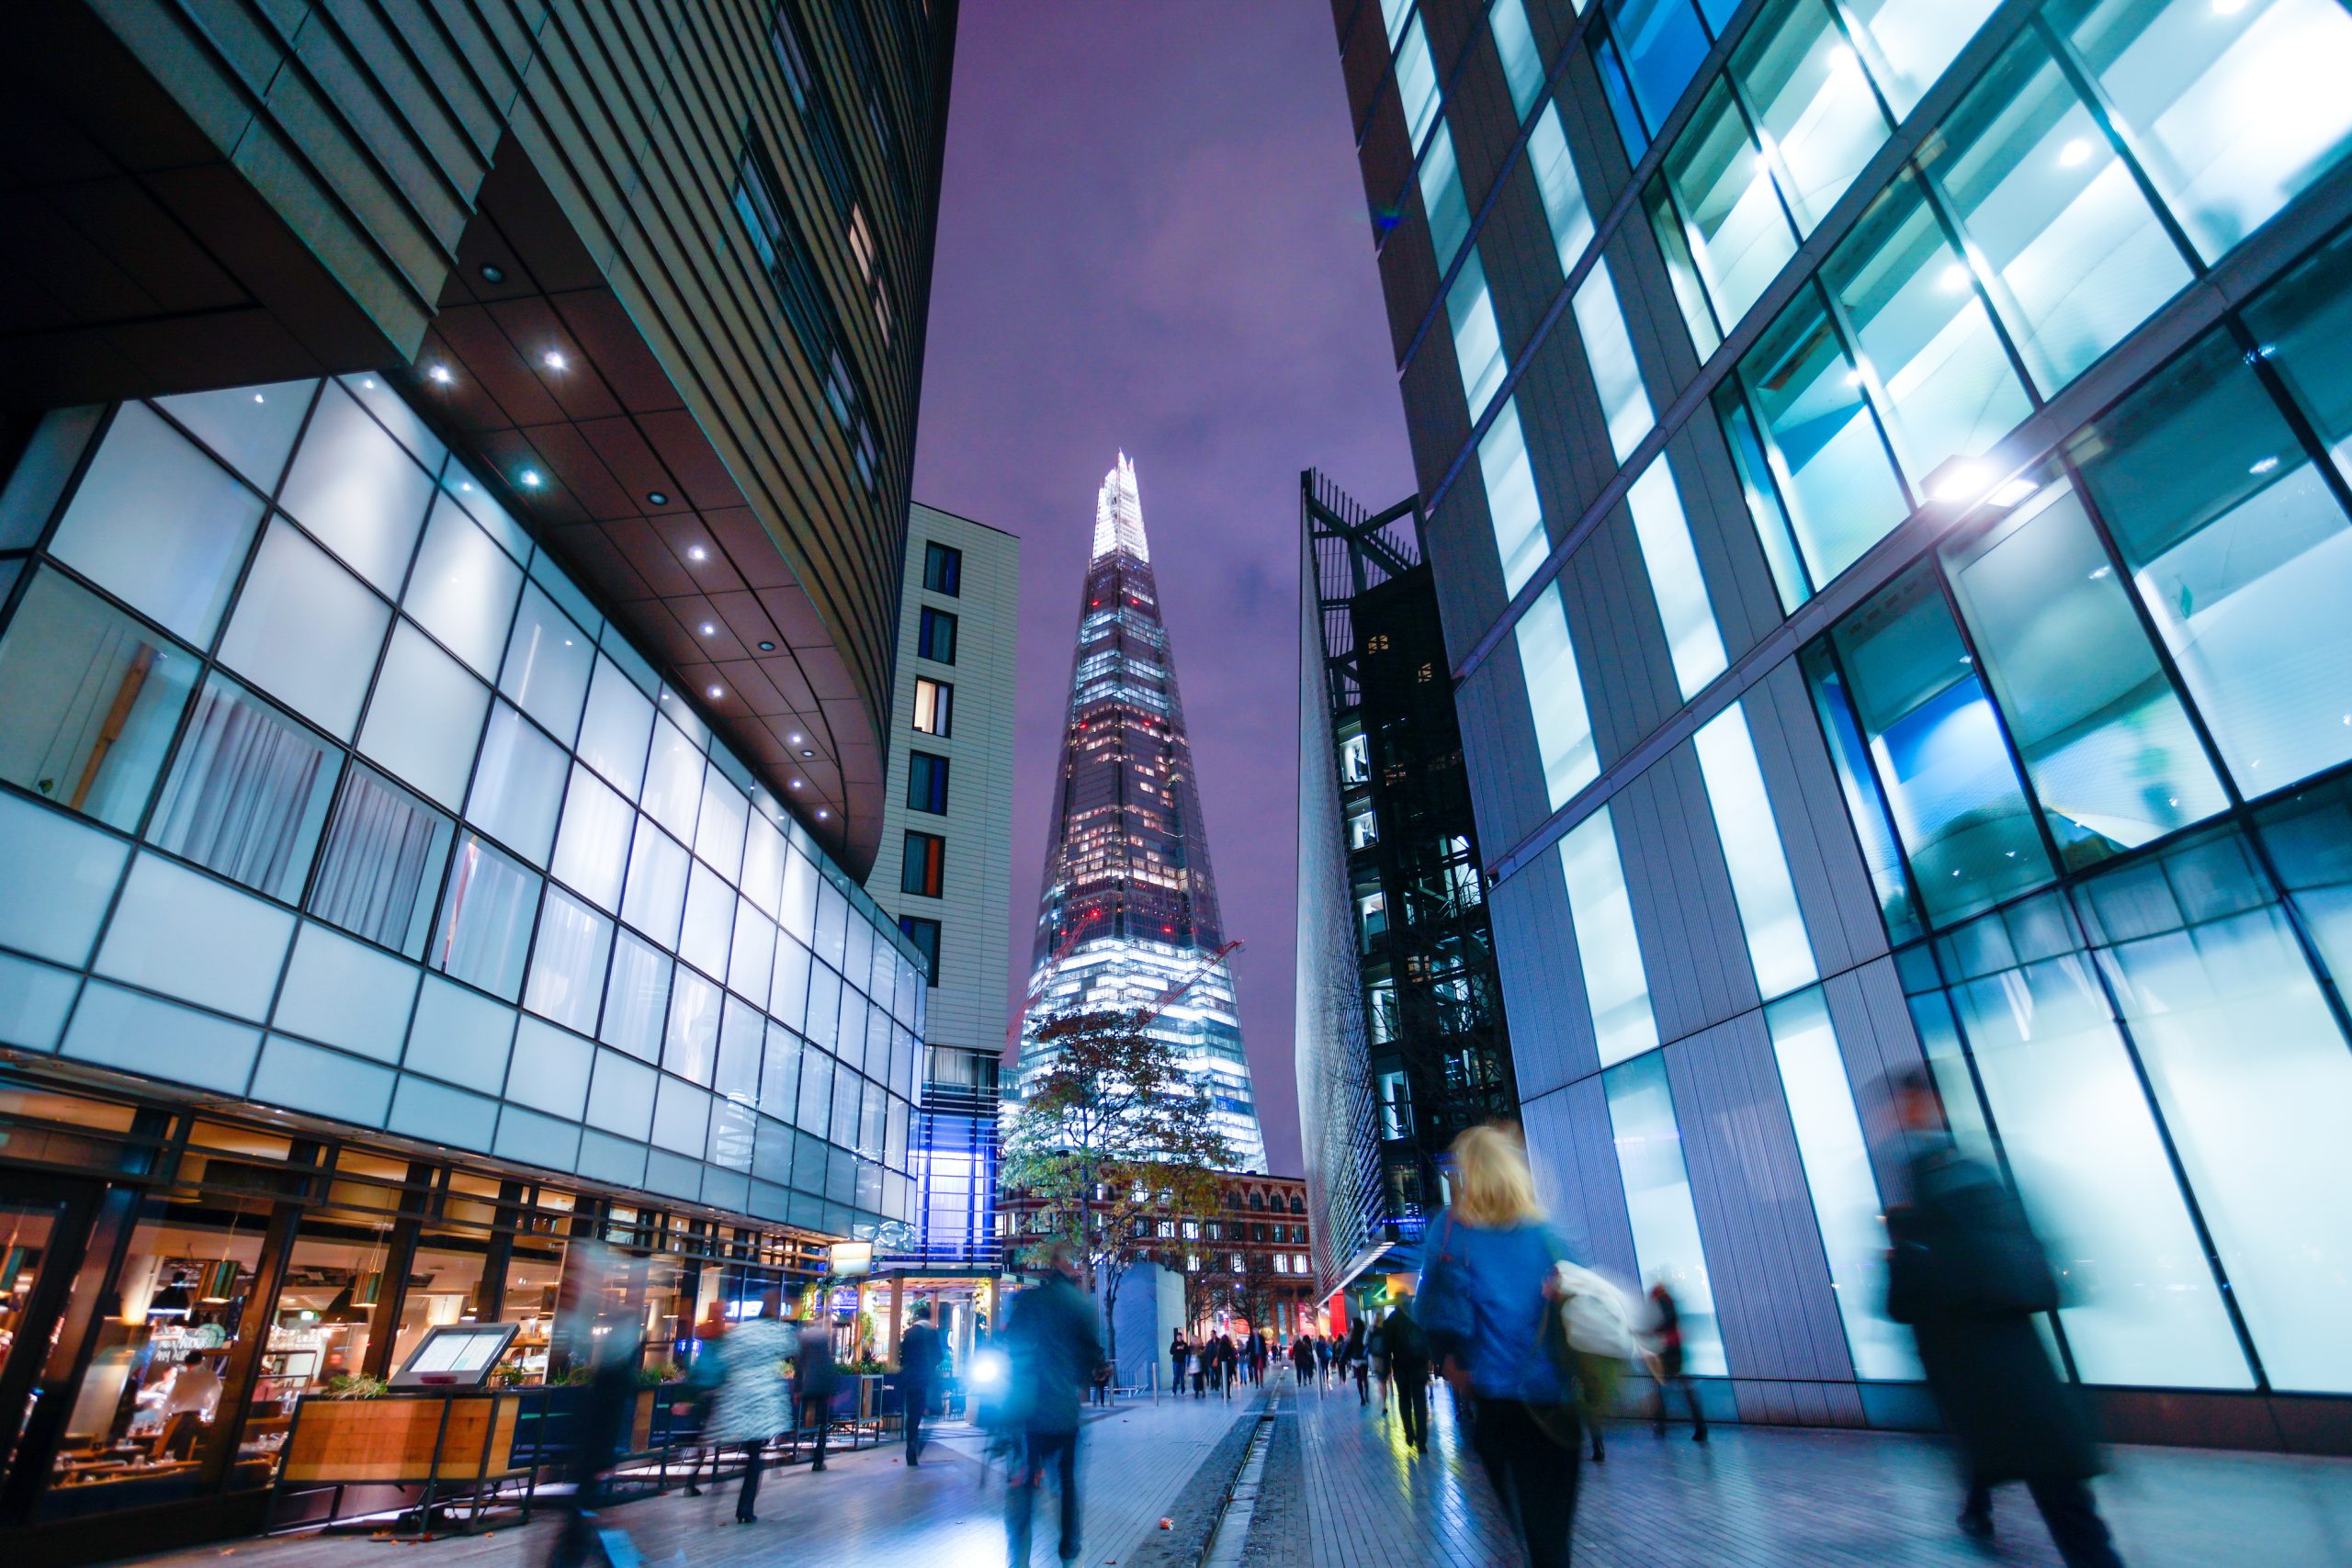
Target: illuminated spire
1118	514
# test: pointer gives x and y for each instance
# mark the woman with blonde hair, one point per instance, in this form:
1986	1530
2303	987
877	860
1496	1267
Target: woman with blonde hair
1483	1305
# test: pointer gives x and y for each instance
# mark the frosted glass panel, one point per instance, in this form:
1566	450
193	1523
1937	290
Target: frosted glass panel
636	997
551	1070
116	1028
752	953
34	1001
88	698
518	787
1416	89
459	1036
1441	199
719	832
568	961
377	396
1677	585
549	660
463	589
1778	948
1609	349
789	993
1477	341
422	1109
159	526
306	631
1907	43
656	893
681	1118
591	848
249	793
325	1083
425	718
1844	1190
346	994
799	913
355	488
250	428
1547	662
614	732
620	1096
690	1045
180	932
762	864
1556	183
1657	1202
1522	61
710	910
779	1073
486	914
2084	1147
1520	543
673	781
1617	989
2255	1082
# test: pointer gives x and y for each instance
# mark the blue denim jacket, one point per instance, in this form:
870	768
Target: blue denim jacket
1482	1304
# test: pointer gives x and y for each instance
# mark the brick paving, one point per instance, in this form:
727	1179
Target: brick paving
1340	1490
1781	1497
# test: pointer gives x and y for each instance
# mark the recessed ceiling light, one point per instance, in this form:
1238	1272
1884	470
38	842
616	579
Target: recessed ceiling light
709	630
258	398
493	272
439	374
370	383
806	753
796	783
796	740
530	478
658	497
768	648
823	814
554	360
716	693
2076	153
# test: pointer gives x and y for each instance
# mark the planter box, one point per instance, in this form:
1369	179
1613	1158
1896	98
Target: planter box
401	1440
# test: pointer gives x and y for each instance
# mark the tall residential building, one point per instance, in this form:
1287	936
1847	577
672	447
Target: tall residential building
1127	917
946	869
450	540
1884	476
1401	1037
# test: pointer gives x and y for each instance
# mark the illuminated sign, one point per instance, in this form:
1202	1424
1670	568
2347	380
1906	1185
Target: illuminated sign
851	1257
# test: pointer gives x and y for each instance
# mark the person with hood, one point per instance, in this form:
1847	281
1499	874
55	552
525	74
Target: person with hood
919	1361
1407	1350
1969	1276
1054	1346
1487	1306
815	1377
750	1404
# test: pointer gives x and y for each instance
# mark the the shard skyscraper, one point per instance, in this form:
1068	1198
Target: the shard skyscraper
1129	910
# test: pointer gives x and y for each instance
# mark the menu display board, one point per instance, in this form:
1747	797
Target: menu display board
456	1355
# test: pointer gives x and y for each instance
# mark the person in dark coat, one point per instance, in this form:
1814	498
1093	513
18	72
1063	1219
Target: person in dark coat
1665	1359
1407	1350
1302	1360
1356	1356
919	1361
1178	1354
1054	1347
815	1376
1968	1274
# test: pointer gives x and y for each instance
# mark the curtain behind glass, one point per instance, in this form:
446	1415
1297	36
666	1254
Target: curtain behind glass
382	860
248	792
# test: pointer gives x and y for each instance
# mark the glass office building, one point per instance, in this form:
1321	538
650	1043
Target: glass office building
1887	485
1128	914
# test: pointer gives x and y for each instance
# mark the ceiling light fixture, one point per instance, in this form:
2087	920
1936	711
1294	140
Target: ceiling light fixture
709	630
796	783
658	497
806	753
1962	481
768	648
695	552
823	814
439	375
796	740
714	691
554	360
531	479
493	272
2074	153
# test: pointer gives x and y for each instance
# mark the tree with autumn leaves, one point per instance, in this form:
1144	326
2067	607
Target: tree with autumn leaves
1111	1138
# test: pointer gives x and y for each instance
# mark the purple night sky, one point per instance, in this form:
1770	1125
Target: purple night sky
1152	237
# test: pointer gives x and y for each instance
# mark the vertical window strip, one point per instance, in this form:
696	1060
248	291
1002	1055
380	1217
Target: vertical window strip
1846	1202
1664	1220
1441	198
1564	207
1477	338
1617	988
1515	42
1416	89
1676	582
1512	507
1608	351
1778	948
1556	699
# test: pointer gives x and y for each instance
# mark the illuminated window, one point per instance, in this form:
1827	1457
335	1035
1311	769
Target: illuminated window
935	706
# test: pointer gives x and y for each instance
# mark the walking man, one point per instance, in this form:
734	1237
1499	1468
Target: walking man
1054	1347
918	1376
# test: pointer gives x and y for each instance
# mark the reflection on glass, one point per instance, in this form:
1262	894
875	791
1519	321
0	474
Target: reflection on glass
1664	44
2056	226
2231	106
1677	585
1608	351
1512	508
2242	555
381	864
1547	661
1872	826
88	698
1477	340
1907	43
1779	951
1940	752
2141	1303
1417	91
1565	210
1762	495
2111	752
1732	220
1449	214
1814	104
2255	1081
1822	445
486	920
1616	987
2308	835
1657	1204
1929	348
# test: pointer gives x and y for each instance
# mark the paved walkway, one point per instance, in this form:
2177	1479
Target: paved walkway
1338	1491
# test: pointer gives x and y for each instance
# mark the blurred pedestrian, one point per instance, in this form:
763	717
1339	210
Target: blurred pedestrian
750	1402
1664	1361
1178	1354
1302	1360
1968	1274
608	1351
1054	1343
919	1361
1358	1359
816	1377
1322	1361
1228	1361
1487	1306
1407	1351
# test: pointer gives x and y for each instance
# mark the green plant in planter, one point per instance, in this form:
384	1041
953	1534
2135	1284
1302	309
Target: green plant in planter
654	1377
511	1377
356	1385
